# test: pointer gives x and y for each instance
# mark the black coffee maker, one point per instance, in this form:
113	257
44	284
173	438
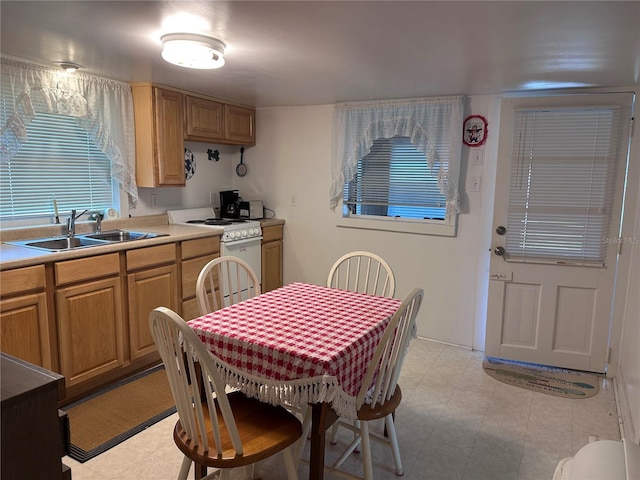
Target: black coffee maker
229	204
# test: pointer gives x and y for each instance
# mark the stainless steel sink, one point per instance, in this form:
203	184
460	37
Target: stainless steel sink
54	244
122	235
62	243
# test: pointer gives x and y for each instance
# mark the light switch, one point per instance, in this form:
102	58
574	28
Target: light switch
477	156
475	184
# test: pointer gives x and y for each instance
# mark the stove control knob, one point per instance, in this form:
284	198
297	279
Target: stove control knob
244	233
232	235
254	232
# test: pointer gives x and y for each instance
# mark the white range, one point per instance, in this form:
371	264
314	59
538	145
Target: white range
241	238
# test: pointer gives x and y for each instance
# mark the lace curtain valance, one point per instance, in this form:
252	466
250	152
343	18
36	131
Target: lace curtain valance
103	108
357	124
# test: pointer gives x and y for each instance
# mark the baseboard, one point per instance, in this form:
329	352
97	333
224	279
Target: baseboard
625	420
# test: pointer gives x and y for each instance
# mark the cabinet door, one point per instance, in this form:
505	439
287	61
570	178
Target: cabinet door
190	270
204	119
24	329
169	137
239	125
149	289
90	329
272	265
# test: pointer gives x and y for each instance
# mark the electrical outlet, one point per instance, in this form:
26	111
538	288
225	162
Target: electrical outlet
154	200
294	201
212	198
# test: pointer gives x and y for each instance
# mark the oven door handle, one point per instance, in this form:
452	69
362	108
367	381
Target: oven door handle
233	243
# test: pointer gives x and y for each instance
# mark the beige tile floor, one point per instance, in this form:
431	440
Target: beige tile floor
455	422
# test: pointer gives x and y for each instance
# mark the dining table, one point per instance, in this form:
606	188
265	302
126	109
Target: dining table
301	344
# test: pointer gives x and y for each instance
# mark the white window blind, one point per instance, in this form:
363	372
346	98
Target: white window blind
562	183
395	180
59	161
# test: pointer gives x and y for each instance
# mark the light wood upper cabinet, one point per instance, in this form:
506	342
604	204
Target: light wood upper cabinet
24	320
204	119
208	120
159	123
239	125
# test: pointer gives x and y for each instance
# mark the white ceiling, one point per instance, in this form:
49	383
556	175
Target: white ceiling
319	52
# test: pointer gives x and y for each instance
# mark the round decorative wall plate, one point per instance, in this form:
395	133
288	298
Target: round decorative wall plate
189	163
474	132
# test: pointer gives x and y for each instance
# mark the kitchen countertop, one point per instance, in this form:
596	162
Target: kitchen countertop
12	256
270	222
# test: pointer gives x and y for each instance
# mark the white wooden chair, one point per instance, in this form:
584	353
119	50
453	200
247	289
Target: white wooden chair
363	272
225	281
215	428
380	394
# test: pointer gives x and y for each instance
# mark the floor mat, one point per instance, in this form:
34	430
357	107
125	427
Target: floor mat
541	378
110	416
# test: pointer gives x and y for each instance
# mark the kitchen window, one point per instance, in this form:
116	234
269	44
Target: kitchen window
63	137
58	161
394	180
396	164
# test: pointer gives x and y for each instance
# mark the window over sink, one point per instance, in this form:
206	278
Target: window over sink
68	137
58	161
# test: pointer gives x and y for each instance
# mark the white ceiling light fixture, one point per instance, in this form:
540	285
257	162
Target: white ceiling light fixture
193	50
70	67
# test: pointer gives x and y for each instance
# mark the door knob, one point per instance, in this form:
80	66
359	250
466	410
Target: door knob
499	251
501	230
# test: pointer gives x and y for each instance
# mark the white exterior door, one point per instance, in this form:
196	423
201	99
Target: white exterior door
545	307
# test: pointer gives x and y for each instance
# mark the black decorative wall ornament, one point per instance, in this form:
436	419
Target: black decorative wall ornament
189	163
213	155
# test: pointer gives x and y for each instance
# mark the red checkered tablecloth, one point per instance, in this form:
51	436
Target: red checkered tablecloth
298	344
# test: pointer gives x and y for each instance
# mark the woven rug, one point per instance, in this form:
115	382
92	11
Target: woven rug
541	378
106	418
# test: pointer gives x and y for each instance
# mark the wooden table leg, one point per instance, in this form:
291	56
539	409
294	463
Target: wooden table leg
322	417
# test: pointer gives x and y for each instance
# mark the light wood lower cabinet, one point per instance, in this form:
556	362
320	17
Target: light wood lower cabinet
148	288
195	255
272	253
89	310
24	321
88	318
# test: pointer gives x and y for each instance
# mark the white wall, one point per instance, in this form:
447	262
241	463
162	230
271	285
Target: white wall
292	159
210	176
627	356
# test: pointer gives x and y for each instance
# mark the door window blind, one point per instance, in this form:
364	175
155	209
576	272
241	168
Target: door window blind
395	180
562	184
59	161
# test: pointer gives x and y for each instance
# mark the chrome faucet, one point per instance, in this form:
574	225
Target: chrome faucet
97	217
71	222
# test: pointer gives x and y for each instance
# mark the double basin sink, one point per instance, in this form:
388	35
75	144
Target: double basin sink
54	244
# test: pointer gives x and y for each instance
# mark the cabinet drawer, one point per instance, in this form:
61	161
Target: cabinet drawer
274	232
190	309
200	246
87	268
22	280
190	271
149	256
